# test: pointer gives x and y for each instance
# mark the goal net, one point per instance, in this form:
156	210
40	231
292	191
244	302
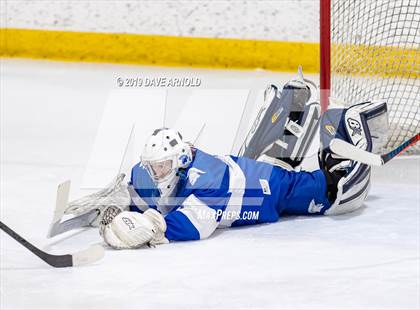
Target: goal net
371	50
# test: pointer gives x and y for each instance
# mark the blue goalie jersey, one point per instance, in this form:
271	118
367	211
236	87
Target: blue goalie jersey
224	191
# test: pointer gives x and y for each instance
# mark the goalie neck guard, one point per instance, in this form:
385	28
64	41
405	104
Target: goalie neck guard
163	155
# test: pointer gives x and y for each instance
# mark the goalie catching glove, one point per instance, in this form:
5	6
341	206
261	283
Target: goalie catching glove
115	194
129	230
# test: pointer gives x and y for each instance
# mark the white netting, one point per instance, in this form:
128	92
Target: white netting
375	54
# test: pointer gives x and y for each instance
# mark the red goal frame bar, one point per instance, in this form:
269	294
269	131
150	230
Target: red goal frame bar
325	51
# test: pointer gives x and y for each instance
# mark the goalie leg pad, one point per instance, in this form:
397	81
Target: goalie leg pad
351	190
349	181
285	132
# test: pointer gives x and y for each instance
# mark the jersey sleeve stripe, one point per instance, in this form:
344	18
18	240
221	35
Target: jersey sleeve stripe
200	215
237	184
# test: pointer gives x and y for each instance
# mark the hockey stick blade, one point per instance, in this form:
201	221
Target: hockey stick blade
57	227
80	221
63	191
347	150
83	257
88	256
87	218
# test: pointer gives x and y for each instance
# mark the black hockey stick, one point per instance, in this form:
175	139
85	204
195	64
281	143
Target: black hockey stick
87	256
350	151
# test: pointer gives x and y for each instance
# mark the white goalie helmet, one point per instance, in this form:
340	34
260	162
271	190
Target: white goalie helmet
163	155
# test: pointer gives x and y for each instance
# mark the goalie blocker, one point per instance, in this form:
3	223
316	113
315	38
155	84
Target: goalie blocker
364	125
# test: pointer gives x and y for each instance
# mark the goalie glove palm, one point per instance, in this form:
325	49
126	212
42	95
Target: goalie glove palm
132	230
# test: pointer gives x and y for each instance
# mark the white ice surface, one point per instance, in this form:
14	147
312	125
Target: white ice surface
50	113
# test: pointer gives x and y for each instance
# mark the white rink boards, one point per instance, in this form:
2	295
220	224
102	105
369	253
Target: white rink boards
50	115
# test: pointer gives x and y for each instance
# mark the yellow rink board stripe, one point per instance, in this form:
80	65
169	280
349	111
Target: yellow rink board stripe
204	52
384	61
159	50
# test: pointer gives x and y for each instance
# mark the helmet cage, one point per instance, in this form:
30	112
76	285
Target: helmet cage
160	170
163	155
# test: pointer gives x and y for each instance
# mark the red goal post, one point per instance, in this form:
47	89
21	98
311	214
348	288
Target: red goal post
371	50
325	52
